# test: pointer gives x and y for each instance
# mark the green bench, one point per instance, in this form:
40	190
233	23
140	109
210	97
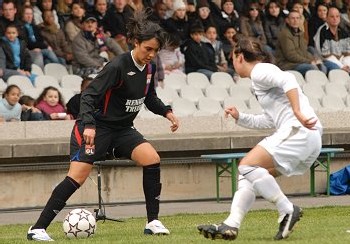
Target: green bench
227	166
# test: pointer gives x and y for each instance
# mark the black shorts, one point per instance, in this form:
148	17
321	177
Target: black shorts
122	141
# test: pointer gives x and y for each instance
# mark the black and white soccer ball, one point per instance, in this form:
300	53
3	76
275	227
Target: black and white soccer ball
79	223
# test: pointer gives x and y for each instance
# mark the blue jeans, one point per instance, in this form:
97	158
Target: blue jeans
44	57
304	67
330	65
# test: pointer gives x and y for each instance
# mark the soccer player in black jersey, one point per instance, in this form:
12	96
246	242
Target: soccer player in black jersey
107	110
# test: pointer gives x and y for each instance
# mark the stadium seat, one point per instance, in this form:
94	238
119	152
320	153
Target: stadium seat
336	89
209	106
55	70
332	102
222	79
254	106
298	76
247	82
3	86
217	93
37	70
146	114
72	82
313	90
191	93
167	94
23	82
315	103
67	94
238	103
198	80
43	81
339	76
34	92
241	92
175	81
316	76
183	107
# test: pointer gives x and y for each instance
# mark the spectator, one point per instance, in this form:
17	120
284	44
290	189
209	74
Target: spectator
86	48
171	57
100	11
51	104
309	10
316	21
284	7
204	15
14	55
117	16
159	13
228	43
211	36
273	23
73	105
44	5
298	6
64	11
227	17
292	52
8	17
29	111
40	52
178	23
333	42
136	5
73	25
56	38
10	109
197	57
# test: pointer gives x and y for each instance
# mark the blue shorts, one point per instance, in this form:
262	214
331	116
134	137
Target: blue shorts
121	141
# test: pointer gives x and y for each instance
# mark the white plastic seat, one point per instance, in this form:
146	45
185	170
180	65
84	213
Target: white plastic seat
191	93
23	82
37	70
316	76
222	79
336	89
238	103
198	80
3	86
315	103
241	92
175	81
55	70
43	81
332	103
183	107
217	93
254	106
67	94
34	92
166	94
339	76
247	82
72	82
313	90
146	114
298	76
209	106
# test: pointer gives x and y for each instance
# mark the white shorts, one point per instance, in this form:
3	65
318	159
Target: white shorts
293	149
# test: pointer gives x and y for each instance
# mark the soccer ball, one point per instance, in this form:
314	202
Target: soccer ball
79	223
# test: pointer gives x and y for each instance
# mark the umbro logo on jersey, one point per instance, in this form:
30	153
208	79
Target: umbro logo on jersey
131	73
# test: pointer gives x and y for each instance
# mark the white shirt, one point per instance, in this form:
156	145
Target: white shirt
270	85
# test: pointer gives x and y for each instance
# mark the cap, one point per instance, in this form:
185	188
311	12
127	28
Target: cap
88	17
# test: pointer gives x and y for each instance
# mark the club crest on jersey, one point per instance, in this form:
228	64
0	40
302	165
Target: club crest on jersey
131	73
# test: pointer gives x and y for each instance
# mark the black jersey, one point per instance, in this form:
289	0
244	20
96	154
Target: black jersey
117	94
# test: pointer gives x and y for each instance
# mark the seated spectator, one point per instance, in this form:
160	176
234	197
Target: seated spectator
73	105
99	11
42	6
284	7
197	56
228	43
29	111
203	14
73	25
318	19
40	52
117	16
10	109
8	17
14	55
211	37
88	45
227	17
159	12
292	51
64	11
51	104
298	6
56	38
332	41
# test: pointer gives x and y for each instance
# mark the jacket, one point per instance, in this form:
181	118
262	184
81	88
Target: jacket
7	59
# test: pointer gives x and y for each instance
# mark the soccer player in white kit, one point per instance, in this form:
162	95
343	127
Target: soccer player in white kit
290	150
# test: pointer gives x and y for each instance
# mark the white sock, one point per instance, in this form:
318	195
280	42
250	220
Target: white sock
266	185
241	203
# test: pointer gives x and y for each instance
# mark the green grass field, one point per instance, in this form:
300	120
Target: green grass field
318	225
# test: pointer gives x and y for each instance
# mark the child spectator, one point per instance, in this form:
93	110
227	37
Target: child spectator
40	8
10	109
197	56
14	55
56	38
73	105
228	43
171	57
29	112
50	103
220	60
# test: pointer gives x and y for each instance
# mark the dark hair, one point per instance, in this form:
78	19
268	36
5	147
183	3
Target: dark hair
11	25
252	50
174	40
44	92
9	89
141	28
26	99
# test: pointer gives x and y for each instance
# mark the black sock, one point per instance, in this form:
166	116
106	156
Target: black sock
152	188
56	203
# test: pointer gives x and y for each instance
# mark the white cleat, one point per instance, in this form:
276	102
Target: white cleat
156	227
38	235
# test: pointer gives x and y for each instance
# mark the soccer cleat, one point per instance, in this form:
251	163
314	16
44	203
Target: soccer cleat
38	235
221	231
155	227
288	222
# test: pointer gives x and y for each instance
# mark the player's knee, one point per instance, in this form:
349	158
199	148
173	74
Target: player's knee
149	159
252	173
244	183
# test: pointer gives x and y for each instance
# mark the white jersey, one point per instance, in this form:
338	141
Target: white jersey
270	84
